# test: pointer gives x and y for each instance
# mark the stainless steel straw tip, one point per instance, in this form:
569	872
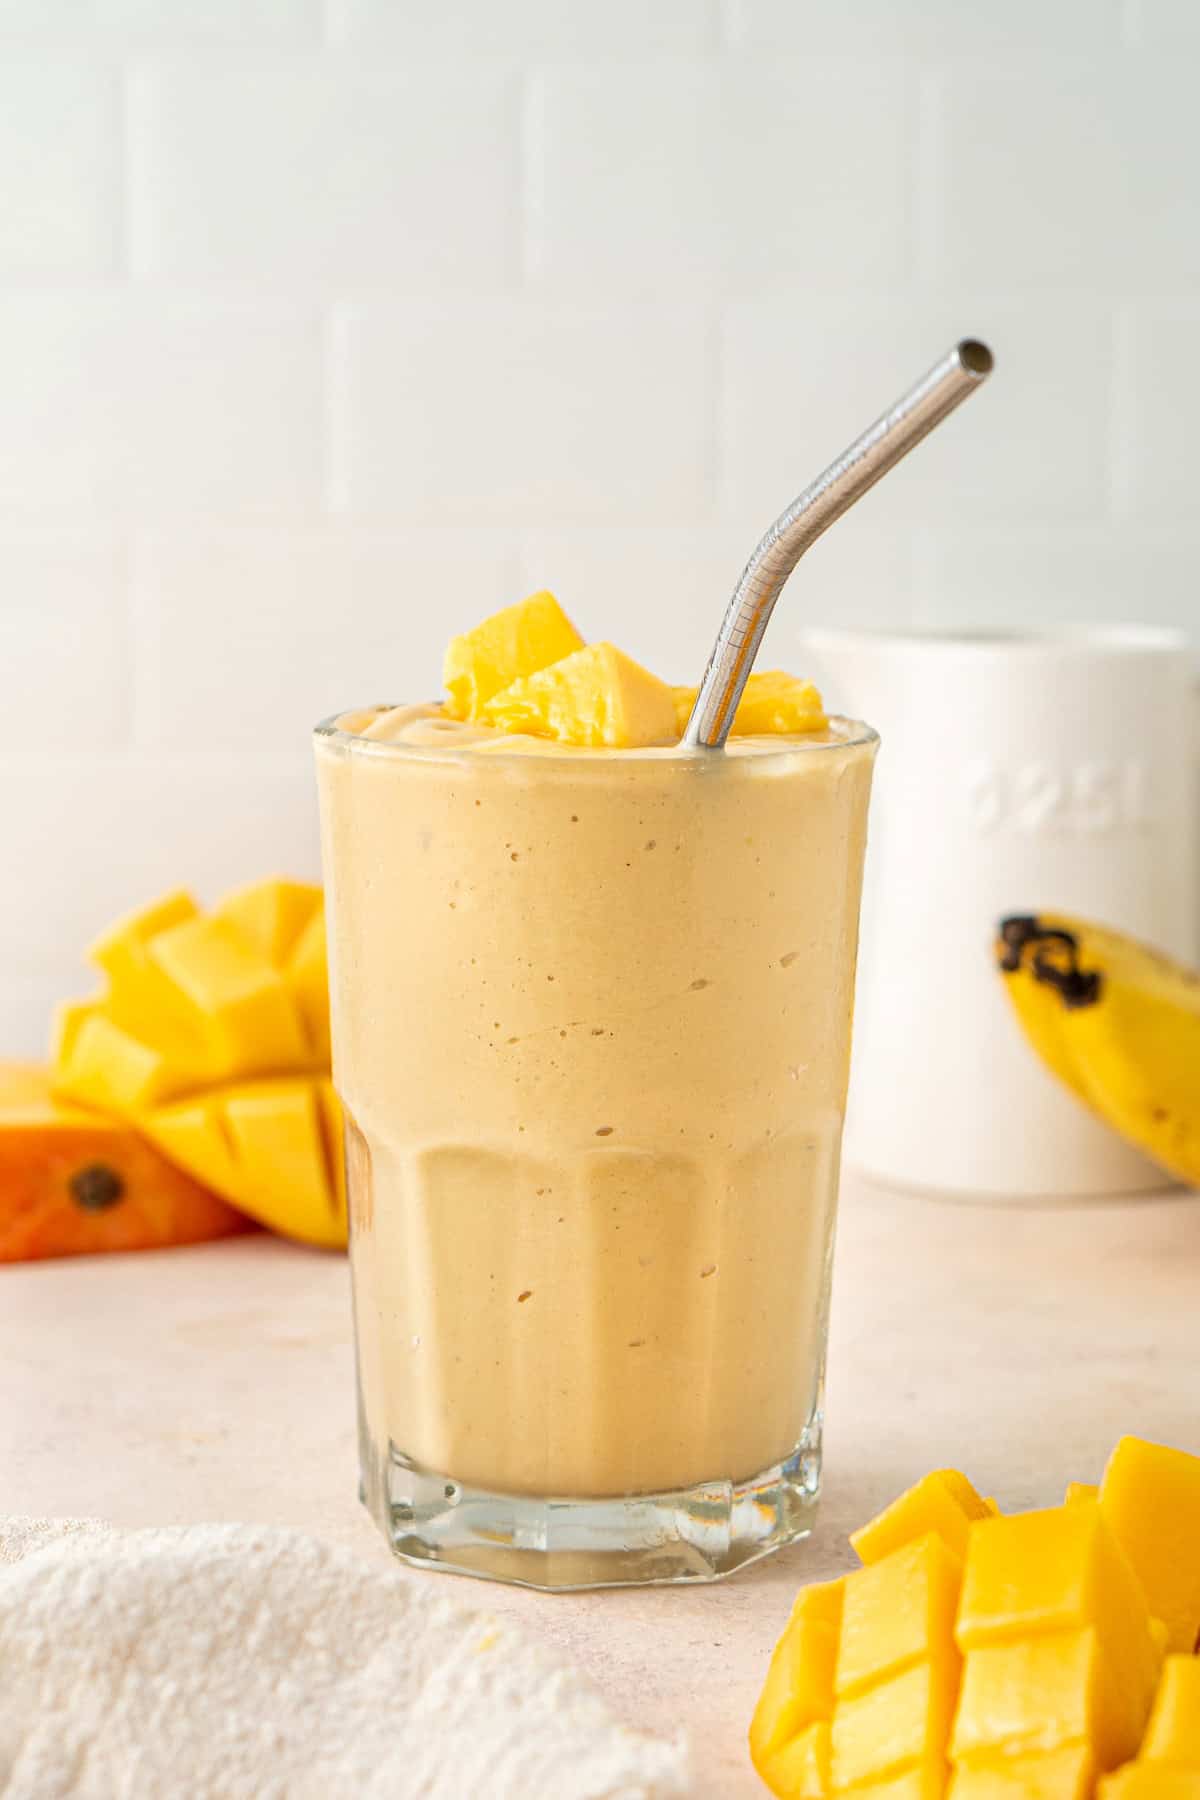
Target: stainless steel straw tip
976	358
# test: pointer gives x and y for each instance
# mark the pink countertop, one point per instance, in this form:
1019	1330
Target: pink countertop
216	1383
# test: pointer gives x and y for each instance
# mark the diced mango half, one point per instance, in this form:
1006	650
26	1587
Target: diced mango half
1150	1499
773	703
1080	1491
1067	1774
597	698
269	1146
1173	1734
924	1781
213	1037
799	1686
897	1612
943	1501
272	916
510	645
1043	1693
991	1507
898	1725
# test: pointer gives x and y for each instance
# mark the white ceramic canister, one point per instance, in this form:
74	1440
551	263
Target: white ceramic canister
1018	774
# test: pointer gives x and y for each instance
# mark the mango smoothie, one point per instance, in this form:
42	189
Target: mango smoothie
591	1023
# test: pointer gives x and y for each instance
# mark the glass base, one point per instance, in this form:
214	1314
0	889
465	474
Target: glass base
685	1535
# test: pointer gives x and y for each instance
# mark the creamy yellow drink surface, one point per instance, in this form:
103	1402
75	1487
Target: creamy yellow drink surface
591	1017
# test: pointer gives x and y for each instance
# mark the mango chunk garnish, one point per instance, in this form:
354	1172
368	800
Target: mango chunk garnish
515	642
1067	1774
943	1501
213	1039
773	703
1150	1499
597	698
897	1612
1173	1734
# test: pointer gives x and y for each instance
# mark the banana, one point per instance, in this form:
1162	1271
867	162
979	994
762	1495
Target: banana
1119	1023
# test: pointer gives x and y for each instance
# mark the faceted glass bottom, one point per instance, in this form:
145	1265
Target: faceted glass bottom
691	1534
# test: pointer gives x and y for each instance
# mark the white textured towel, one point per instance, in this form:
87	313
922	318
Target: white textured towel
232	1662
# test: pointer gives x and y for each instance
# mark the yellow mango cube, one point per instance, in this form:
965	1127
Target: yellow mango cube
69	1019
114	948
271	915
1150	1781
1080	1491
1150	1499
799	1769
103	1066
598	698
897	1725
1045	1693
1173	1734
943	1501
1067	1774
511	644
251	1023
799	1686
897	1612
192	1134
772	704
991	1507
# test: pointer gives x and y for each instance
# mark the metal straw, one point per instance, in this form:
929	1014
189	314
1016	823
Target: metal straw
878	449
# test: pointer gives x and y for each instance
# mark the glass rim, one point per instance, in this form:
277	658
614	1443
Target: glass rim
858	736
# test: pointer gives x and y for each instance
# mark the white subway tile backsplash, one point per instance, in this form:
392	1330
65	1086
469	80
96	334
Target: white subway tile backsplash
924	27
616	28
159	23
60	188
64	642
96	835
246	639
1079	171
1017	578
517	412
323	172
125	406
732	175
1160	397
801	382
1166	24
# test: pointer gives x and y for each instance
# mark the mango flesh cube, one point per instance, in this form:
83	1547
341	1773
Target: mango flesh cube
943	1501
113	948
69	1019
799	1770
107	1068
896	1725
896	1612
1173	1734
271	915
773	704
1056	1570
250	1022
515	642
799	1684
597	698
1150	1781
1044	1693
1066	1774
991	1507
1150	1499
1078	1491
